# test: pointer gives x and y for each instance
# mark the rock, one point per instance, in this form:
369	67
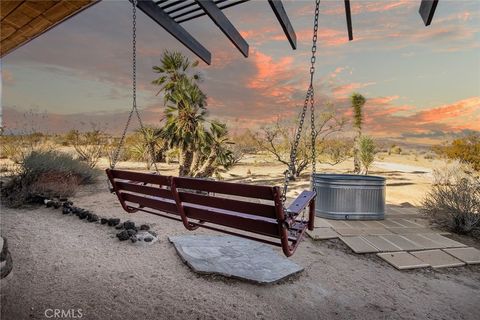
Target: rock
129	225
82	214
133	239
119	226
145	227
122	236
113	221
67	204
148	239
48	203
93	218
153	233
103	221
56	204
66	210
131	232
88	215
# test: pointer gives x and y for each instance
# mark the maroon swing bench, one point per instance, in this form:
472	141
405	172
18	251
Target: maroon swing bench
226	204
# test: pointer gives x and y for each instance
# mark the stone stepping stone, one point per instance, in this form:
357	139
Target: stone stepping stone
234	257
402	260
359	244
322	223
322	234
437	258
468	255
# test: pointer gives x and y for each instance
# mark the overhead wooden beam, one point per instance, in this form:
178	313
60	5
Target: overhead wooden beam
224	24
348	14
158	15
282	17
427	10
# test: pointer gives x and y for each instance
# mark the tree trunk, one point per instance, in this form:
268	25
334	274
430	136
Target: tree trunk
208	166
356	158
186	157
197	157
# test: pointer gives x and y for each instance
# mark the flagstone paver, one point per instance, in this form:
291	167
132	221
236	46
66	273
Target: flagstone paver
402	260
322	234
437	258
469	255
359	245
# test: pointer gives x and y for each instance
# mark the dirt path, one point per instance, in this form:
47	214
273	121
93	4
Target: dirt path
61	262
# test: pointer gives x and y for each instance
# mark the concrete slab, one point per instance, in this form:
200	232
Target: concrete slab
402	242
469	255
437	258
234	257
402	260
387	223
322	234
444	241
409	230
423	242
382	244
359	244
362	232
322	223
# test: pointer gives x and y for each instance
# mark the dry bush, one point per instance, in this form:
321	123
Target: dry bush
89	145
454	203
17	147
46	175
466	150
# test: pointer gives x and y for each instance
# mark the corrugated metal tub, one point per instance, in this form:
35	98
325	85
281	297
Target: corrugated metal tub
349	196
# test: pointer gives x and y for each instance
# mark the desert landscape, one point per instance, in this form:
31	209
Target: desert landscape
62	262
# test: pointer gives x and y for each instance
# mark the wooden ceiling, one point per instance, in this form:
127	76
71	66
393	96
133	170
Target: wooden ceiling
24	20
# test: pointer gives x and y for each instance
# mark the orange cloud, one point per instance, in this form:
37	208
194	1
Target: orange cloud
343	90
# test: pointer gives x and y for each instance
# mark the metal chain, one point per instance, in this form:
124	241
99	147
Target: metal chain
309	98
134	96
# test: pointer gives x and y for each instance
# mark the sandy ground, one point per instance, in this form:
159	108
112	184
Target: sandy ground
61	262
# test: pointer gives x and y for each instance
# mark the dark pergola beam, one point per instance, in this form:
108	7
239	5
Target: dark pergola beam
179	18
427	10
282	17
219	18
348	14
154	12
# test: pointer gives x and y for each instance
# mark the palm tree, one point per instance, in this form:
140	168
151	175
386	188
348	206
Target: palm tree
173	69
358	101
185	116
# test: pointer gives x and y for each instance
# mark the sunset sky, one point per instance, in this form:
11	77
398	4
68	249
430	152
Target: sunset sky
419	81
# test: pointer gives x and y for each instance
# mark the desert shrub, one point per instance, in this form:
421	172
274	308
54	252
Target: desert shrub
366	152
394	149
46	175
334	151
17	147
89	145
455	203
465	150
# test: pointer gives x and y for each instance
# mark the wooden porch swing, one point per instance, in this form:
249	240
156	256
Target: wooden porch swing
251	211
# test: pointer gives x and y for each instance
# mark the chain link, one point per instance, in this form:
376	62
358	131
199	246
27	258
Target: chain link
134	97
309	99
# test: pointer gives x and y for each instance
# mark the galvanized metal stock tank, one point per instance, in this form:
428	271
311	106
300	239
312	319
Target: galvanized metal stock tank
349	196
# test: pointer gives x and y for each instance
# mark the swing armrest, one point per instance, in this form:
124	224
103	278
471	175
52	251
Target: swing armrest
301	202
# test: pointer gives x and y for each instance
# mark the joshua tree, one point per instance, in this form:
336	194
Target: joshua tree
358	101
185	117
173	69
